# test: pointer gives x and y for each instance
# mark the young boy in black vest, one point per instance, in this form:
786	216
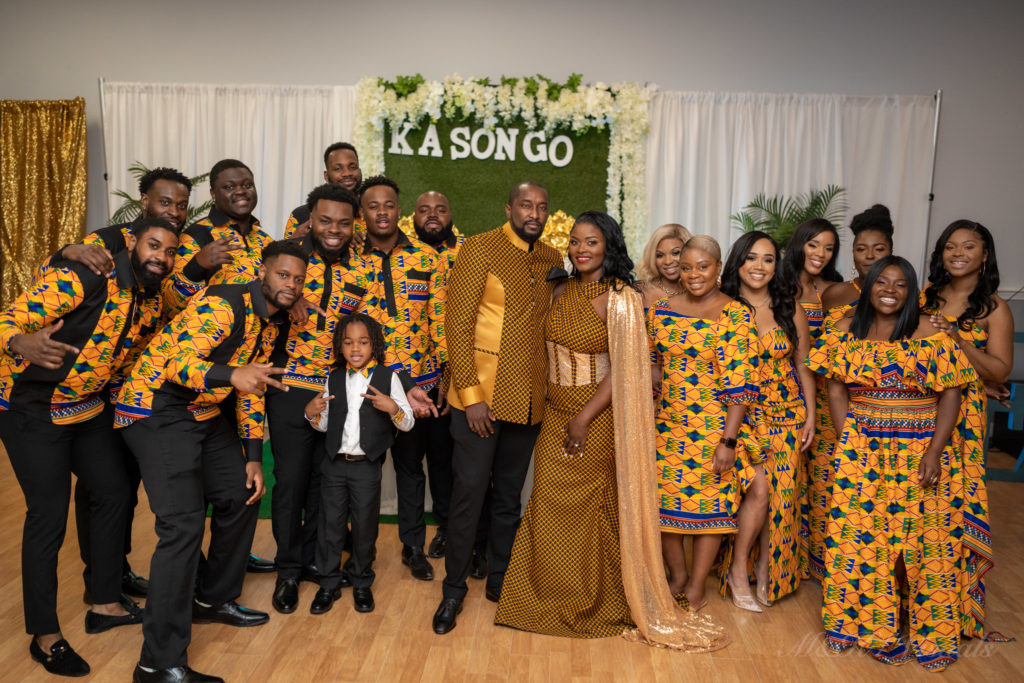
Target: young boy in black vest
362	406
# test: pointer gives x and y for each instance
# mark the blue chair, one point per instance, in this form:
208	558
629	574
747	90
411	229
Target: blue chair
1015	422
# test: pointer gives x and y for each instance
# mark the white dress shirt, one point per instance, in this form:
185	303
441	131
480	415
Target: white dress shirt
356	384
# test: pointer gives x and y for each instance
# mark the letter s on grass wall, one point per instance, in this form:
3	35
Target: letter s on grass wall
460	142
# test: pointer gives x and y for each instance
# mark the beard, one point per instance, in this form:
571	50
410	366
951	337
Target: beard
274	298
329	255
523	235
149	280
433	238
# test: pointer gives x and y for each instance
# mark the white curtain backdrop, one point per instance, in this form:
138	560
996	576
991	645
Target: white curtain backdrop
280	132
710	153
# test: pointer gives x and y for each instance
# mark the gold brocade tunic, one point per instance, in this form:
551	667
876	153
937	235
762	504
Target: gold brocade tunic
564	577
500	294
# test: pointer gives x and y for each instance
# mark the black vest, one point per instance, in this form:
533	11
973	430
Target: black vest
376	430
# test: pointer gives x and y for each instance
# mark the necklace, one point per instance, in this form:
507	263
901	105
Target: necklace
667	292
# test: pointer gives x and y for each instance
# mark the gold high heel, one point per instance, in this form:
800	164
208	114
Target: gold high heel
745	602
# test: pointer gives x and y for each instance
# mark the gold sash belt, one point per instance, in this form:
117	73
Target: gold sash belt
570	369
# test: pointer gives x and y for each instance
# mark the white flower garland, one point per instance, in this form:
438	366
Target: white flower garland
622	107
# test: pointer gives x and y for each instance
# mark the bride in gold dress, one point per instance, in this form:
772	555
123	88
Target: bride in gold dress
594	469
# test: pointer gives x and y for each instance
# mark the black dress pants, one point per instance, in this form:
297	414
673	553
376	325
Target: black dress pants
348	489
499	462
83	503
44	456
295	502
186	465
430	436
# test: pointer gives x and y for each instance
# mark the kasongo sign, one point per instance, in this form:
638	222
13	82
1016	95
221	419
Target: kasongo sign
474	166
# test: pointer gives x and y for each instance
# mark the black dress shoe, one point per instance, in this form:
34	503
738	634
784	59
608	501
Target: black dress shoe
478	564
363	598
492	595
323	601
230	613
416	561
134	585
286	595
312	574
444	617
257	565
438	544
178	674
98	623
61	660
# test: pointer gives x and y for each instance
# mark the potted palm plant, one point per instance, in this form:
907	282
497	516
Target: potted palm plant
778	215
131	207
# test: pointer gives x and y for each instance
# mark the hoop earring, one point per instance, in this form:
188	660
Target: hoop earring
983	267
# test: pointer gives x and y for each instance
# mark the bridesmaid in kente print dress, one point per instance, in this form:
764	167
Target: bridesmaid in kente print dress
780	425
964	279
895	382
809	264
702	343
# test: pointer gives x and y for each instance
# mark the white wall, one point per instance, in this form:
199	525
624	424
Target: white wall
973	51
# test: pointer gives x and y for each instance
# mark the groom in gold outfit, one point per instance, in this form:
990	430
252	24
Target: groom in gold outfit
499	292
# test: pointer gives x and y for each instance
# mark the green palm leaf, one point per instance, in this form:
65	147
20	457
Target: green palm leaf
779	216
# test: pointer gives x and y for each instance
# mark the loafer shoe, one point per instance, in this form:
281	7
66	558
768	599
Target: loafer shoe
286	595
61	660
416	561
444	617
478	564
323	601
178	674
230	613
363	598
492	595
257	565
438	544
134	585
98	623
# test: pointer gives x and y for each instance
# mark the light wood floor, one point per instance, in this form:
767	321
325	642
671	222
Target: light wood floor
396	643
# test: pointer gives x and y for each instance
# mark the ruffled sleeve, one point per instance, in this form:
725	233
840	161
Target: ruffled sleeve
938	363
736	356
930	364
827	351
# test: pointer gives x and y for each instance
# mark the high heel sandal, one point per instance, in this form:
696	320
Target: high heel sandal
745	602
762	593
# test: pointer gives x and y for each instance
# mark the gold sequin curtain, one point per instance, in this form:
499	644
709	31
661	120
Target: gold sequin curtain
42	185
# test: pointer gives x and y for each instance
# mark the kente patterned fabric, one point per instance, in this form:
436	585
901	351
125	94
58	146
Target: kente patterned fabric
817	473
307	351
772	429
188	277
108	319
969	437
406	295
500	295
879	512
176	367
706	366
657	618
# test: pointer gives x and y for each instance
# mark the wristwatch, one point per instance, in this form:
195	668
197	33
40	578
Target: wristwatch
729	442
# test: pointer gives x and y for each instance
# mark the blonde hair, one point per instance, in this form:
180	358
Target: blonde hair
647	269
704	243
